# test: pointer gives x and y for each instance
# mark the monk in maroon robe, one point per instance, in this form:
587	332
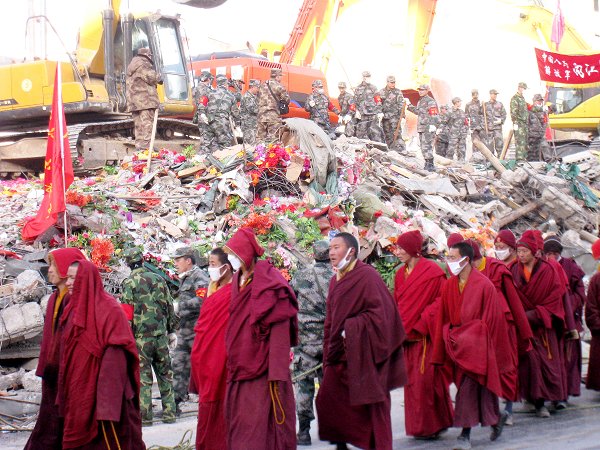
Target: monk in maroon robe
362	353
427	403
98	378
208	358
472	331
592	319
505	246
541	371
47	433
260	411
576	300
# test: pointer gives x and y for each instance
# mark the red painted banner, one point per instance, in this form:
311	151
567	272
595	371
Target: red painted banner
568	69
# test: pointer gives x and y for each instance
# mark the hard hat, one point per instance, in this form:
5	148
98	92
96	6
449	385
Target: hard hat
493	91
133	254
538	97
391	79
321	250
341	84
275	72
144	51
523	85
423	87
317	84
455	100
254	82
366	74
205	75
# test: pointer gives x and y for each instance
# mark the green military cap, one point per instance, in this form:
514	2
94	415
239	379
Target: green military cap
184	251
321	250
423	87
493	91
538	97
254	82
391	79
205	75
275	72
455	100
341	84
474	91
523	85
133	254
366	73
317	83
221	79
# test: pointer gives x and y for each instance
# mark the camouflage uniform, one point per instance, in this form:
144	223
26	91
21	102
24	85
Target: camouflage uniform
269	120
538	122
520	118
311	285
222	106
442	136
346	101
201	95
458	128
392	105
368	105
191	294
318	106
249	114
495	116
428	115
474	112
153	320
142	98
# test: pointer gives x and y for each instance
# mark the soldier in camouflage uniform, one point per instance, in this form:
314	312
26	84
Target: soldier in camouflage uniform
311	285
427	122
368	112
201	95
221	109
142	98
249	112
441	134
318	106
392	103
538	122
520	118
474	112
347	108
270	93
193	284
458	128
494	115
154	324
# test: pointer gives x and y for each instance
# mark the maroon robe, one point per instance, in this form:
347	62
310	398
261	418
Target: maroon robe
592	319
519	331
260	412
472	331
541	371
360	370
208	373
576	297
98	379
427	401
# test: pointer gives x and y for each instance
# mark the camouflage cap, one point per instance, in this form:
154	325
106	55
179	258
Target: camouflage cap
423	87
341	84
254	82
184	251
444	106
493	91
455	100
391	79
206	75
144	51
474	91
133	254
275	72
221	79
317	83
538	97
321	250
523	85
366	74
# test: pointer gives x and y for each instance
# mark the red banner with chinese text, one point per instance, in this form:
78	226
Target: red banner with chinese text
58	168
568	69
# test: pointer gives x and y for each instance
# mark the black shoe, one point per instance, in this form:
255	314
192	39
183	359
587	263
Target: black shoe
341	446
429	166
497	429
303	437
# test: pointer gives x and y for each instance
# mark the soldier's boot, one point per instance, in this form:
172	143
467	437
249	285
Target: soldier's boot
429	167
303	436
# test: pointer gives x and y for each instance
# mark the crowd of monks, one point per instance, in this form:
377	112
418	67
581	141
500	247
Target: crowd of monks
498	328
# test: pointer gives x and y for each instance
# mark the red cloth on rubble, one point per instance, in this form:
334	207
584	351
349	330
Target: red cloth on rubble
541	371
262	328
98	381
359	371
592	319
427	401
519	330
208	374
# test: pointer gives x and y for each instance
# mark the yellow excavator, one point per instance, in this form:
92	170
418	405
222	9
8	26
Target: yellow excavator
99	128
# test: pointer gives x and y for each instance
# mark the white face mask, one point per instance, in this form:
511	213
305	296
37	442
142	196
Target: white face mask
215	273
235	262
344	262
502	254
455	266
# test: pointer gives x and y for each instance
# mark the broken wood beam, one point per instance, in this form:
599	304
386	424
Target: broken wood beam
516	214
489	156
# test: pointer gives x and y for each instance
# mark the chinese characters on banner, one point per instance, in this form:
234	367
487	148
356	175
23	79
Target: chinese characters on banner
568	69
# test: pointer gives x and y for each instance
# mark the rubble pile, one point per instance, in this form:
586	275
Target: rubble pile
291	194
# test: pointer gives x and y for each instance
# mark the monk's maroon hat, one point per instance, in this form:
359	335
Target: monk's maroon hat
244	245
411	242
529	240
507	237
476	251
454	238
539	239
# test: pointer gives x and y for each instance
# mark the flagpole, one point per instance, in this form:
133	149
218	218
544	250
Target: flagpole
61	129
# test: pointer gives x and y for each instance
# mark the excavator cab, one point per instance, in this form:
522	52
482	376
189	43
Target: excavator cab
575	108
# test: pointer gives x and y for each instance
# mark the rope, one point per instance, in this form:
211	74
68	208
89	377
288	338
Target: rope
422	368
184	444
274	390
105	436
112	425
546	344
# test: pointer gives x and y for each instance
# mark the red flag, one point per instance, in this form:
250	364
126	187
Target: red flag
558	26
58	168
